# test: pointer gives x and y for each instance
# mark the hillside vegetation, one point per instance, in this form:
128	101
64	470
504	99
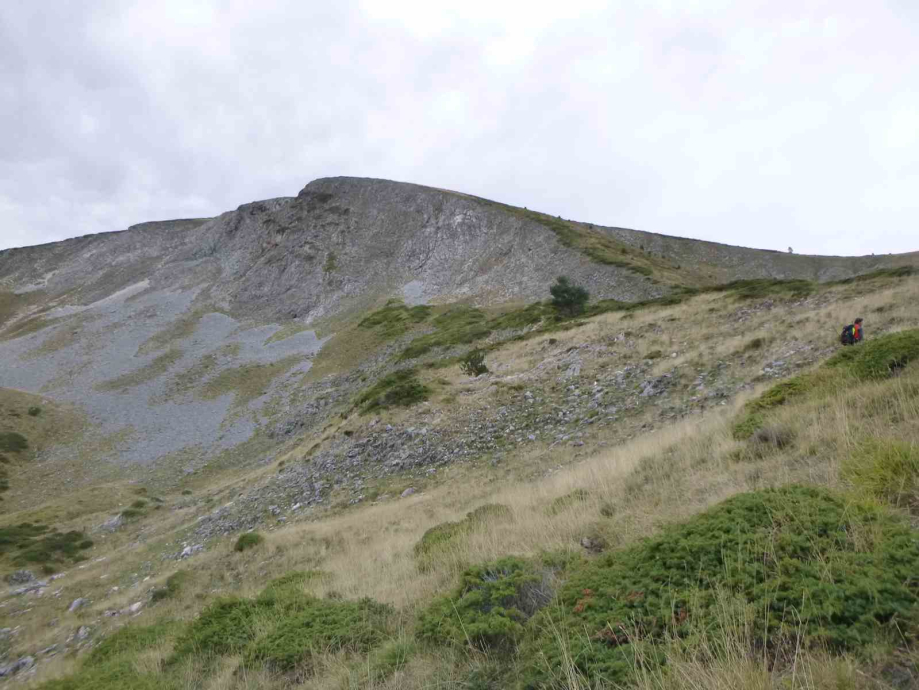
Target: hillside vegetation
703	491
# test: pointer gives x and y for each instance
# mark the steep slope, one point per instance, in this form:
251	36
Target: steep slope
499	529
190	343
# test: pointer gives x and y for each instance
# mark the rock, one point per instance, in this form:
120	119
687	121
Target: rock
408	492
22	664
83	632
594	545
133	608
190	551
573	370
75	604
113	524
20	577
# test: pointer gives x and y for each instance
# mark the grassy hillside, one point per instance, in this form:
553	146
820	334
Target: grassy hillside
751	525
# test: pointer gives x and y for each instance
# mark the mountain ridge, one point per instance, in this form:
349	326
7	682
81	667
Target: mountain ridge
173	321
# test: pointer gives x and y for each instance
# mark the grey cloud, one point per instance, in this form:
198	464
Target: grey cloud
765	124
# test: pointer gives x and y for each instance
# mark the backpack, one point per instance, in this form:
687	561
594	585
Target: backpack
847	337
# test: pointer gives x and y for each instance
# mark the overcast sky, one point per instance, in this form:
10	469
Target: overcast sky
768	124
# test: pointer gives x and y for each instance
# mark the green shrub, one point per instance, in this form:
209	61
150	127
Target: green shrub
114	675
885	469
521	318
473	363
317	626
30	543
111	665
399	389
34	411
796	556
132	513
11	442
20	536
488	609
899	272
130	638
225	627
247	541
395	318
284	627
139	505
654	354
878	358
173	586
460	325
567	297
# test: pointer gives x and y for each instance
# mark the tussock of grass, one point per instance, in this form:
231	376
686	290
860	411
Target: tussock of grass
569	500
247	541
173	586
430	548
885	469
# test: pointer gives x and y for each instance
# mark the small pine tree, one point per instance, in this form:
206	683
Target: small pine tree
567	297
473	364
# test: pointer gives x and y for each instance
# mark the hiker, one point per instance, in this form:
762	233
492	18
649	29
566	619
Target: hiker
853	333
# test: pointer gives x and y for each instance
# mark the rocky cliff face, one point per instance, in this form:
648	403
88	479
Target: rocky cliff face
185	339
345	241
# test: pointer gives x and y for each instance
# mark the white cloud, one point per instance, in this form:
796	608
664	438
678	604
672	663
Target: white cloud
761	123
